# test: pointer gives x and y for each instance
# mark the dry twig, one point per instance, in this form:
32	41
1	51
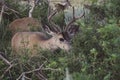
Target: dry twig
4	59
28	72
1	13
8	63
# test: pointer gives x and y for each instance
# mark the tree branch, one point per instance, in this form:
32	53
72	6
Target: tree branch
4	59
1	13
28	72
8	63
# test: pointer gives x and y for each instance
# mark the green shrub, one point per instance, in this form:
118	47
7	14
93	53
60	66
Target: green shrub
95	54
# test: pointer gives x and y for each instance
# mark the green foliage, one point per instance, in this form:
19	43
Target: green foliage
114	8
95	54
59	19
99	49
41	11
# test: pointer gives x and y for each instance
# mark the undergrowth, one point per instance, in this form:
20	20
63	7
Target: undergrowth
95	54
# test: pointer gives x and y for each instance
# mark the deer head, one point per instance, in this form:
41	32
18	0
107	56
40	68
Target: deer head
62	36
69	30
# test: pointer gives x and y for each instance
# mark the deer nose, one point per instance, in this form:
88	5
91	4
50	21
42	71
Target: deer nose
69	48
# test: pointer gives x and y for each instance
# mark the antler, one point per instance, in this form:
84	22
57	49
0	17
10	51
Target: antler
59	7
74	19
54	26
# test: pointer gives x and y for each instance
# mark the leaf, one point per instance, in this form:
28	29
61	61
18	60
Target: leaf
107	77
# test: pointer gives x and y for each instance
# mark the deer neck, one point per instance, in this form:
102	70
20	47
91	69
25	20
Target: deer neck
49	44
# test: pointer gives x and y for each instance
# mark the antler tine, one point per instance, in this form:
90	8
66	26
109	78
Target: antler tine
74	18
56	27
51	15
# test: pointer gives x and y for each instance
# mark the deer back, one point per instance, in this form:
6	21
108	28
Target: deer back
24	24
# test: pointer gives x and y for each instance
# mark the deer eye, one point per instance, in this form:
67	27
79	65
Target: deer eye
61	39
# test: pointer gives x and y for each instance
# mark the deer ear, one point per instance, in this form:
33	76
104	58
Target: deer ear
73	29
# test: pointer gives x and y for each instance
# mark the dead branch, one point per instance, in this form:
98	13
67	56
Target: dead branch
28	72
8	63
4	7
40	76
6	71
28	78
12	9
1	13
4	59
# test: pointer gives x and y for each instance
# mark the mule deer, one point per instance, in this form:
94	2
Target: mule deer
35	40
24	24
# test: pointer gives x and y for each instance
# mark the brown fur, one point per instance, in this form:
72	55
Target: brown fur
36	40
24	24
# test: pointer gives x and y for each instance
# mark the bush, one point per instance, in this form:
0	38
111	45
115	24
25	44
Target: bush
94	56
